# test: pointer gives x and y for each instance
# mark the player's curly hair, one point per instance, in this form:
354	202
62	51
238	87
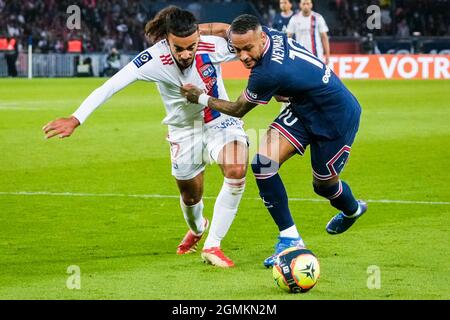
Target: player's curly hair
171	19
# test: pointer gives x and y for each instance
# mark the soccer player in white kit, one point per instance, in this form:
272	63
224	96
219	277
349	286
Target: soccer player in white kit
197	135
310	30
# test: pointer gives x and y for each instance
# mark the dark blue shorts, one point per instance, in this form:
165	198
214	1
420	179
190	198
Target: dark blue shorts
328	157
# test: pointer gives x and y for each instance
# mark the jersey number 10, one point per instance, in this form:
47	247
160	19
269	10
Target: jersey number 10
296	52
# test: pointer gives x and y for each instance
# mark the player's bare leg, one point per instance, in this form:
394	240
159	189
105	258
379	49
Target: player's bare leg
274	150
191	192
233	159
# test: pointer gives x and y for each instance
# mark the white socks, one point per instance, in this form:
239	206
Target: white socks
225	210
290	232
194	216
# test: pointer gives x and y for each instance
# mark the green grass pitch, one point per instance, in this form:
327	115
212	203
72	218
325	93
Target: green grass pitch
69	202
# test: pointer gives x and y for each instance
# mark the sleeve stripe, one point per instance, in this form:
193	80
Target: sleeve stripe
250	99
207	50
206	44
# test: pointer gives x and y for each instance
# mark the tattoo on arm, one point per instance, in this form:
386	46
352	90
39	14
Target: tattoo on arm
235	109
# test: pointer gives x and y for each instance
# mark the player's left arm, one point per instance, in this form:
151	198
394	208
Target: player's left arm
326	46
238	109
323	30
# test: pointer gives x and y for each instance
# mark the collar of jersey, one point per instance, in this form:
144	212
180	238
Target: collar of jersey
266	45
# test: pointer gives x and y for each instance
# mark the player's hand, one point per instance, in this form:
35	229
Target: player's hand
191	92
63	127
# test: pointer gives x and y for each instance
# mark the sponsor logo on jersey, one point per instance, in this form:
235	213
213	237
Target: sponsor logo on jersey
230	122
327	75
252	94
142	59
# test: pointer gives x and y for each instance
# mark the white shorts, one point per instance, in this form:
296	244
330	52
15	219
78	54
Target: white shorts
192	148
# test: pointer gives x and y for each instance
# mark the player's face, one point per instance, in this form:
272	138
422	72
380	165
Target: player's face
306	6
249	46
183	49
285	5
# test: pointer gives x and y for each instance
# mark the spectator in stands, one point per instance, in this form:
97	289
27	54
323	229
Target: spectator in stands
11	56
281	20
403	29
100	20
310	30
45	20
112	63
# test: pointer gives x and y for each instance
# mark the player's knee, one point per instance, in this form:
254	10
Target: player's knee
236	171
190	199
262	165
330	189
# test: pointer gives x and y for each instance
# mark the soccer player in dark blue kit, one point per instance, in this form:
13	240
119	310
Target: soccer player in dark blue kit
322	113
281	19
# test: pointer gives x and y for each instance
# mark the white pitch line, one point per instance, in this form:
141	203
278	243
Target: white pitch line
164	196
25	109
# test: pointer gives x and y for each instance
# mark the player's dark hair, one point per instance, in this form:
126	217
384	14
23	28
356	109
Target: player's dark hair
244	23
172	19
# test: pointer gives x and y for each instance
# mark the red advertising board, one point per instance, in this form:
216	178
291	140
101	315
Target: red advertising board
350	66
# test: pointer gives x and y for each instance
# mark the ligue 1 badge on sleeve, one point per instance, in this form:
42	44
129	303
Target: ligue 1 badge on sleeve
142	59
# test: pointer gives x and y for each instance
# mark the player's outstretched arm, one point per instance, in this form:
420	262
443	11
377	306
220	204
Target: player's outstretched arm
239	108
62	127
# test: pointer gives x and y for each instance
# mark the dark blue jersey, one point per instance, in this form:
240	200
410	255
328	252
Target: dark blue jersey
280	22
318	97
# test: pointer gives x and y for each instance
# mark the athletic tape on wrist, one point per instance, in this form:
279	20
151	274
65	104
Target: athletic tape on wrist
203	99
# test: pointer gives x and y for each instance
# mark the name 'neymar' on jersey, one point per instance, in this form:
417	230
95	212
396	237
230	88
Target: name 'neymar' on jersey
318	97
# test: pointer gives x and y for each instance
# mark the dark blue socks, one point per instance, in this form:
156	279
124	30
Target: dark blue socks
272	191
340	196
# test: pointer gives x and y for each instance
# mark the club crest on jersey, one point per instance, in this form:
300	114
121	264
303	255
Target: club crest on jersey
207	70
142	59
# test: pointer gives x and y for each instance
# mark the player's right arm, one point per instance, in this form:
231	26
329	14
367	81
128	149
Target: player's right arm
238	109
260	89
214	29
64	127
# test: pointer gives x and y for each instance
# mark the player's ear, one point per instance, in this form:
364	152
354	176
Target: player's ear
263	36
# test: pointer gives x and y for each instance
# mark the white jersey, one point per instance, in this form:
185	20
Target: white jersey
156	64
307	31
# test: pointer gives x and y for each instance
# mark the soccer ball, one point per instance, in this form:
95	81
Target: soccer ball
296	270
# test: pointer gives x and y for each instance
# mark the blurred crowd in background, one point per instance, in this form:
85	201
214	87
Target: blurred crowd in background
407	18
104	24
120	23
400	18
